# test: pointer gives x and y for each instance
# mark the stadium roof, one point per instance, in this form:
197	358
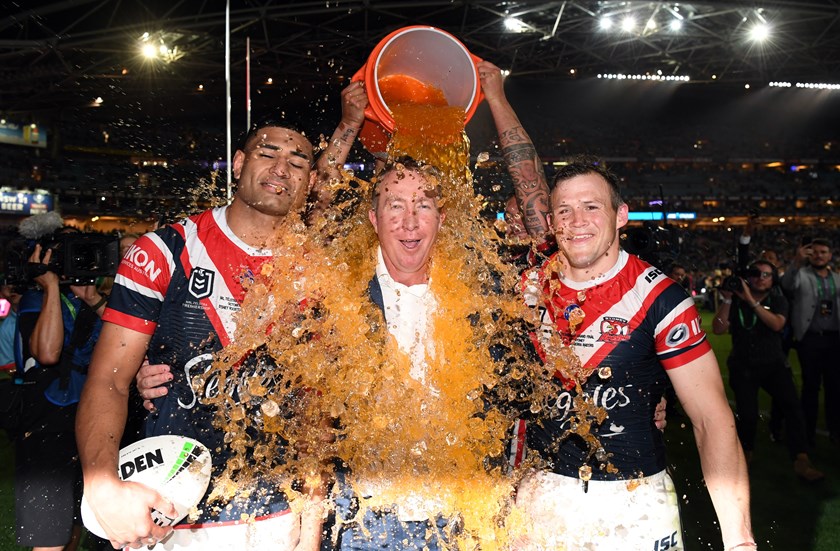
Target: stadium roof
60	55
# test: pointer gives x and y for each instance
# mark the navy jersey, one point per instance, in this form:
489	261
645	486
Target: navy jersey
637	321
182	285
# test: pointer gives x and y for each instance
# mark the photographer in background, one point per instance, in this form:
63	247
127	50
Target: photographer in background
750	229
59	322
755	316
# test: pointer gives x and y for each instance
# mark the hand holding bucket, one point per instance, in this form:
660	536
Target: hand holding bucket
415	64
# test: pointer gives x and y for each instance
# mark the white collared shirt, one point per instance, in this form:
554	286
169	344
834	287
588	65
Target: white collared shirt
407	313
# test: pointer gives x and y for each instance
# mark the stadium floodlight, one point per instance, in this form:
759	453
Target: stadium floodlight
605	23
759	33
628	24
818	85
161	45
149	51
676	25
514	25
659	77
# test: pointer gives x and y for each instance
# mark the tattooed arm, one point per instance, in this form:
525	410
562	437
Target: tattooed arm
521	158
353	103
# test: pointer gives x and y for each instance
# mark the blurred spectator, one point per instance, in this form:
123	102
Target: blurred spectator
772	257
678	273
816	326
8	322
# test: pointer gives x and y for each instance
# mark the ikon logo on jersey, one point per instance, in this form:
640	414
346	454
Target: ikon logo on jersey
614	330
201	282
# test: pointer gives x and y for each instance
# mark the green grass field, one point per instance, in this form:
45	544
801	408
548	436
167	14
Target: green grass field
7	499
787	515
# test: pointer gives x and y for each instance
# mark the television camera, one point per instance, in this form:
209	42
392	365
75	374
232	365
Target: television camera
78	258
657	245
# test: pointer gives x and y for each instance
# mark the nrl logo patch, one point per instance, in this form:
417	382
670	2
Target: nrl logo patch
614	330
201	282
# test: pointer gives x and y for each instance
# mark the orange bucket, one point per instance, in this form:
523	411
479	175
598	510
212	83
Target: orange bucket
415	64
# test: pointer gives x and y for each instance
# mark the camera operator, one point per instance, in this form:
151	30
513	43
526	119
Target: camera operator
58	325
755	316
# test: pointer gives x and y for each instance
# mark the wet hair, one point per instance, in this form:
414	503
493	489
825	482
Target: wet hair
273	120
405	163
588	164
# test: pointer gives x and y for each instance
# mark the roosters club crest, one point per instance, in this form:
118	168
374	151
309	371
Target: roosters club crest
614	330
201	282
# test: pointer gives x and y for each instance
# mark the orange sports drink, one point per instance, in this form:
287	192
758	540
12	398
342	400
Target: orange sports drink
417	66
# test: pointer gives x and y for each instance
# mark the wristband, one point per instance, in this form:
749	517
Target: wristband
726	301
756	304
99	304
750	544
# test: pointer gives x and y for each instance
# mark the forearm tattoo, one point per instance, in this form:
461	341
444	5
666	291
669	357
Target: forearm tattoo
348	135
529	183
515	135
517	153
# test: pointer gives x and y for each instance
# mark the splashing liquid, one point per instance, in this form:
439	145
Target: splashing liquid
339	385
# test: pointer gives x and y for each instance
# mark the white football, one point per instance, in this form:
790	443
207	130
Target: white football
177	467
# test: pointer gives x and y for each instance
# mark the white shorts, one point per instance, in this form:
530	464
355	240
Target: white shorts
279	532
637	515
